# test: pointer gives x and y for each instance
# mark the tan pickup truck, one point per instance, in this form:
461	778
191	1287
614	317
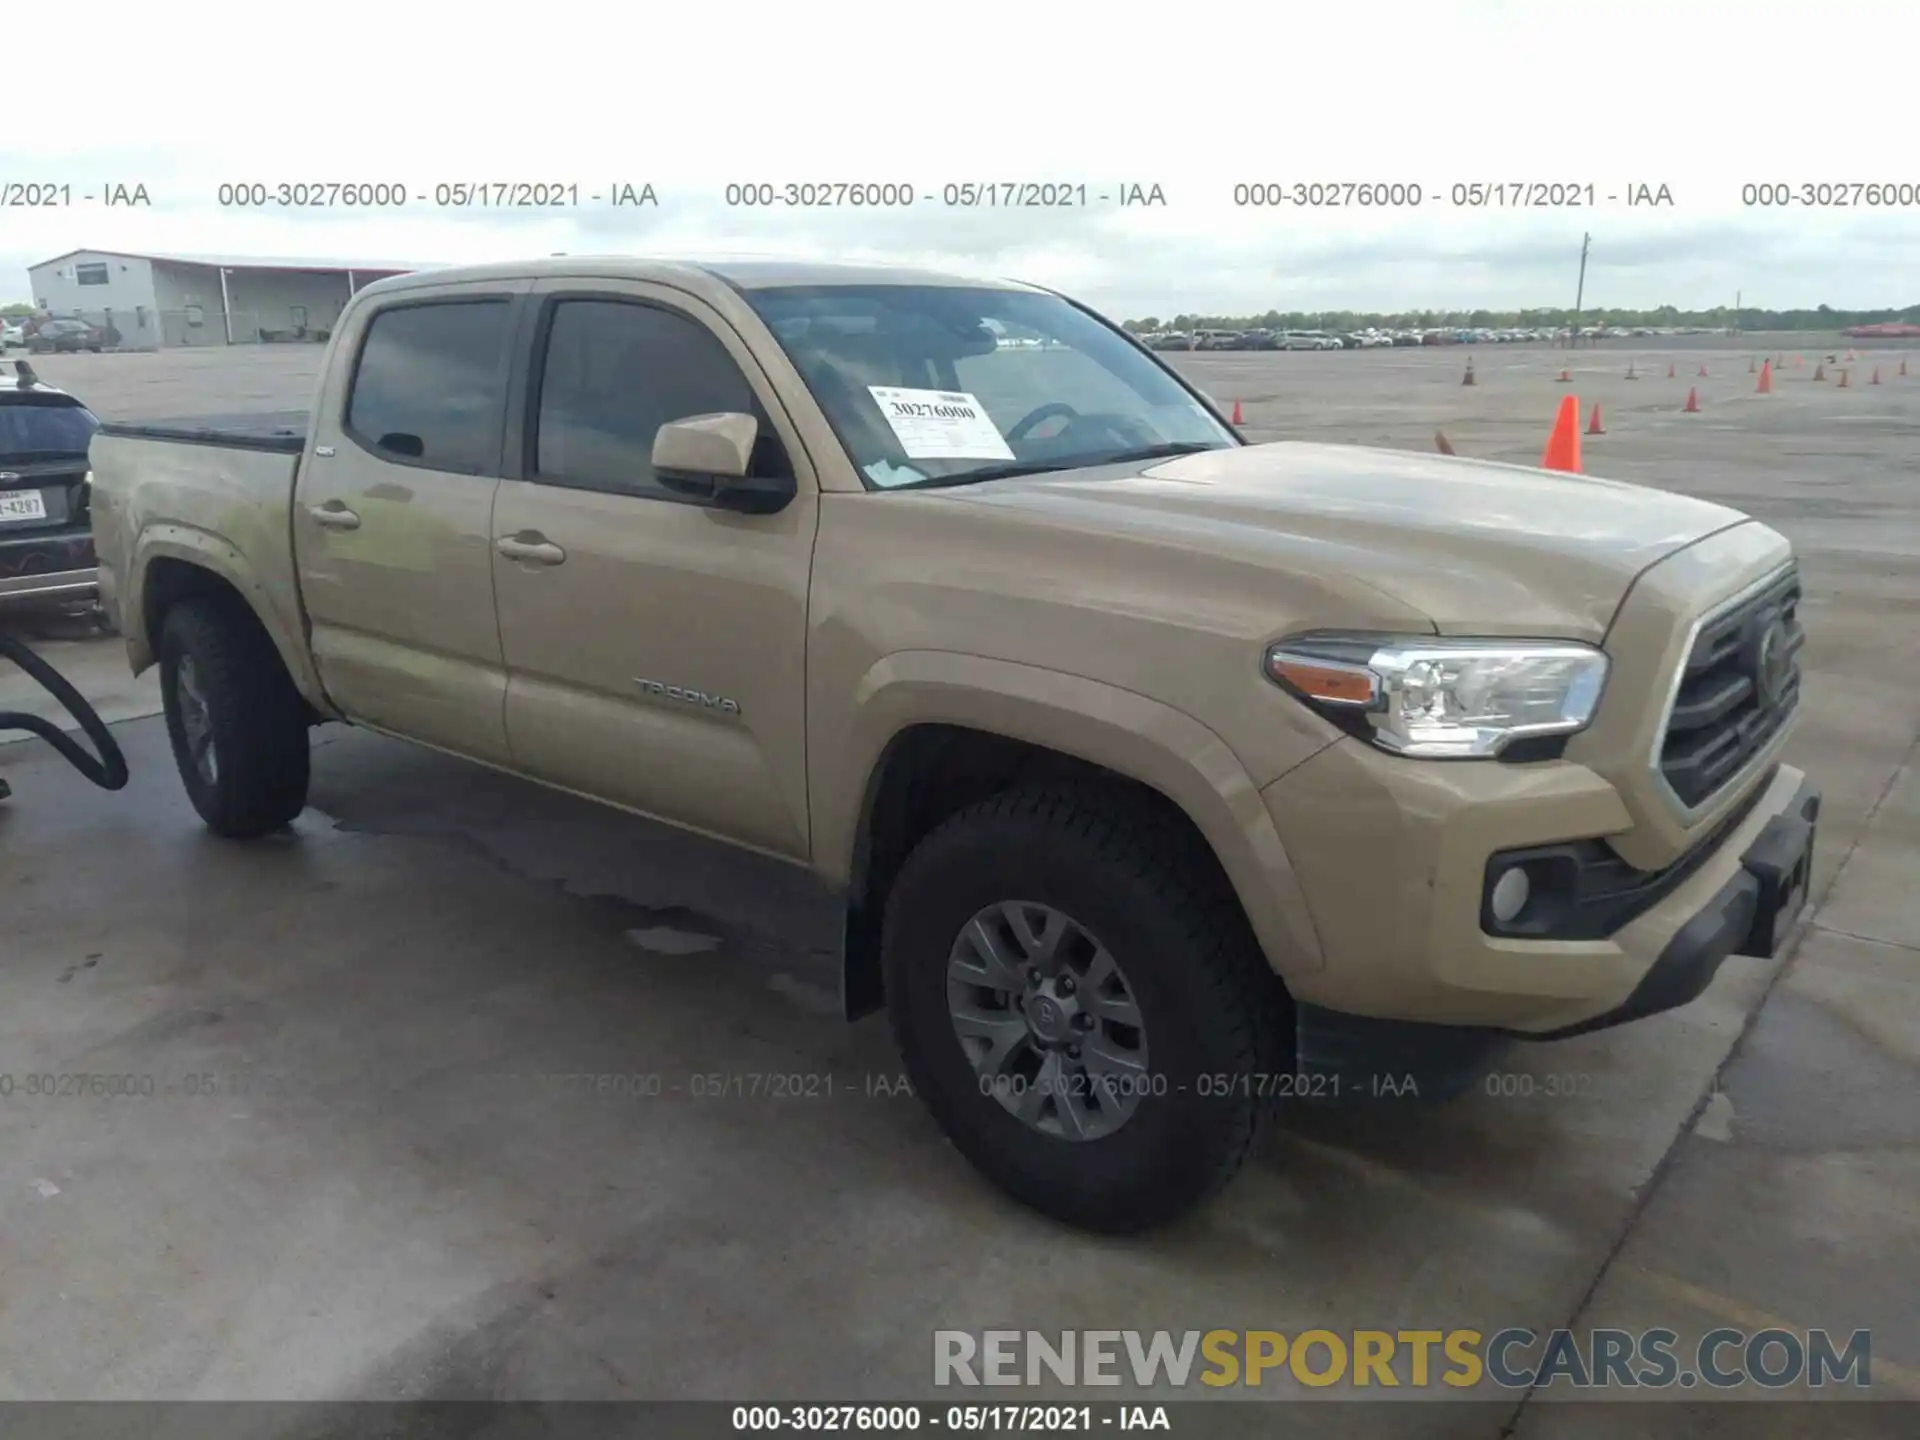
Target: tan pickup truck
1164	775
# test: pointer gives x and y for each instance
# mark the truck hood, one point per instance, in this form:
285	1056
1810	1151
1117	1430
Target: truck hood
1476	546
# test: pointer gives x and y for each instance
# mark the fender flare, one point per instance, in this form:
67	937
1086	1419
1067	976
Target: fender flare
1152	743
218	557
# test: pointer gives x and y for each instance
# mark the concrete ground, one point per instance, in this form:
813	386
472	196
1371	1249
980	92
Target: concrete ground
366	1175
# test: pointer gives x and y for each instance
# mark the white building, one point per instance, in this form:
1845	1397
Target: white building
164	301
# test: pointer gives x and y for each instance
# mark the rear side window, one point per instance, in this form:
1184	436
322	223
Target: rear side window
430	388
615	372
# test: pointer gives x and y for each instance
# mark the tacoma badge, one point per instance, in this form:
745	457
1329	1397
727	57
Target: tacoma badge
689	697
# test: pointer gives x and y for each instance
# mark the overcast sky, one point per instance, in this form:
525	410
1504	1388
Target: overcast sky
1700	97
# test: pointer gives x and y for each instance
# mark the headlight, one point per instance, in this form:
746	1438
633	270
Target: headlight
1437	698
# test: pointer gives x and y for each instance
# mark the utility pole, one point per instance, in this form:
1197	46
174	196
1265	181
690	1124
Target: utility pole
1580	294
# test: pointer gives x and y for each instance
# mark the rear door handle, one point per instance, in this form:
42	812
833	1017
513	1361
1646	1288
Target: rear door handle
334	515
531	546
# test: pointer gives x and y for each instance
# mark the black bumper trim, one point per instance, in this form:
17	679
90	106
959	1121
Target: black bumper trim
1357	1057
1741	919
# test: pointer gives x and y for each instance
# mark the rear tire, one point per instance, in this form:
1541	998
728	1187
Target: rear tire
1139	887
238	725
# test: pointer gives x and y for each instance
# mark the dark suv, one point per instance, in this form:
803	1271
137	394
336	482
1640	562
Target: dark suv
46	535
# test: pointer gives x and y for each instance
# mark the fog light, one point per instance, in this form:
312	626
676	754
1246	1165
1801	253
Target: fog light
1510	895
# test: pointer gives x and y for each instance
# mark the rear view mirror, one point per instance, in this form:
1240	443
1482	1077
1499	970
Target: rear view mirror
708	457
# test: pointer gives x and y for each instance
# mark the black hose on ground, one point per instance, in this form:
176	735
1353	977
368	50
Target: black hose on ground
109	771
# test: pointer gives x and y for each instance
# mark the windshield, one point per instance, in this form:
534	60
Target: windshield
36	428
936	384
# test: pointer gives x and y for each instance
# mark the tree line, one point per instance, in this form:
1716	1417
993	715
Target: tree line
1723	317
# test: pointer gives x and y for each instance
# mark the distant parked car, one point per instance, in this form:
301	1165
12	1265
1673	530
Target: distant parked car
65	337
12	332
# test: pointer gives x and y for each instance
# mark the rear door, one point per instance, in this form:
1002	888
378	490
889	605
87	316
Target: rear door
655	646
393	517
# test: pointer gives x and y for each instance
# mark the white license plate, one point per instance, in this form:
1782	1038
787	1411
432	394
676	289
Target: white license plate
21	505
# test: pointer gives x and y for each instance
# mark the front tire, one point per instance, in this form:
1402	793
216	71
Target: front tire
1147	973
238	725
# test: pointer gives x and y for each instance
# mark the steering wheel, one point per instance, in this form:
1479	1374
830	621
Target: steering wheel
1018	430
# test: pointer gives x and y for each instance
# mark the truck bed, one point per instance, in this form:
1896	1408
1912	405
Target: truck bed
279	430
216	496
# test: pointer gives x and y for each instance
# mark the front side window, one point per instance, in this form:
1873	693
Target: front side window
616	371
941	385
430	387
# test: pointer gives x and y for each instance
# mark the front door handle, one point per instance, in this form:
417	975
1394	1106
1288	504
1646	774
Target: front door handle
334	515
530	545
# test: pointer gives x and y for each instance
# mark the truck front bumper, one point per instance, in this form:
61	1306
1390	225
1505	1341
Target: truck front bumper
1395	860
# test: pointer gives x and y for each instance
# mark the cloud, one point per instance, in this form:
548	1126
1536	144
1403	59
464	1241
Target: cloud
1195	101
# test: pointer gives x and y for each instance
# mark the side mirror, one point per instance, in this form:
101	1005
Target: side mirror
708	456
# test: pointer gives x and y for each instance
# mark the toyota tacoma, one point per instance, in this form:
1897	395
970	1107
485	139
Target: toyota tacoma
1163	774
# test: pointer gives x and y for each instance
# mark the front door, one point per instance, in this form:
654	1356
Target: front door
393	518
655	646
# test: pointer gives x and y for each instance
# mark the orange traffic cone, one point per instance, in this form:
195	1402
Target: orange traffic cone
1765	387
1843	381
1703	372
1593	423
1819	372
1440	442
1876	376
1850	355
1566	375
1236	413
1692	407
1467	379
1669	370
1563	445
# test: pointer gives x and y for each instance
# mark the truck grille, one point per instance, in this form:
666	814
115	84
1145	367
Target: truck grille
1738	689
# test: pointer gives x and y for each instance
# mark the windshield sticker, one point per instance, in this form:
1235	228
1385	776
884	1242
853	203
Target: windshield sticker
940	424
